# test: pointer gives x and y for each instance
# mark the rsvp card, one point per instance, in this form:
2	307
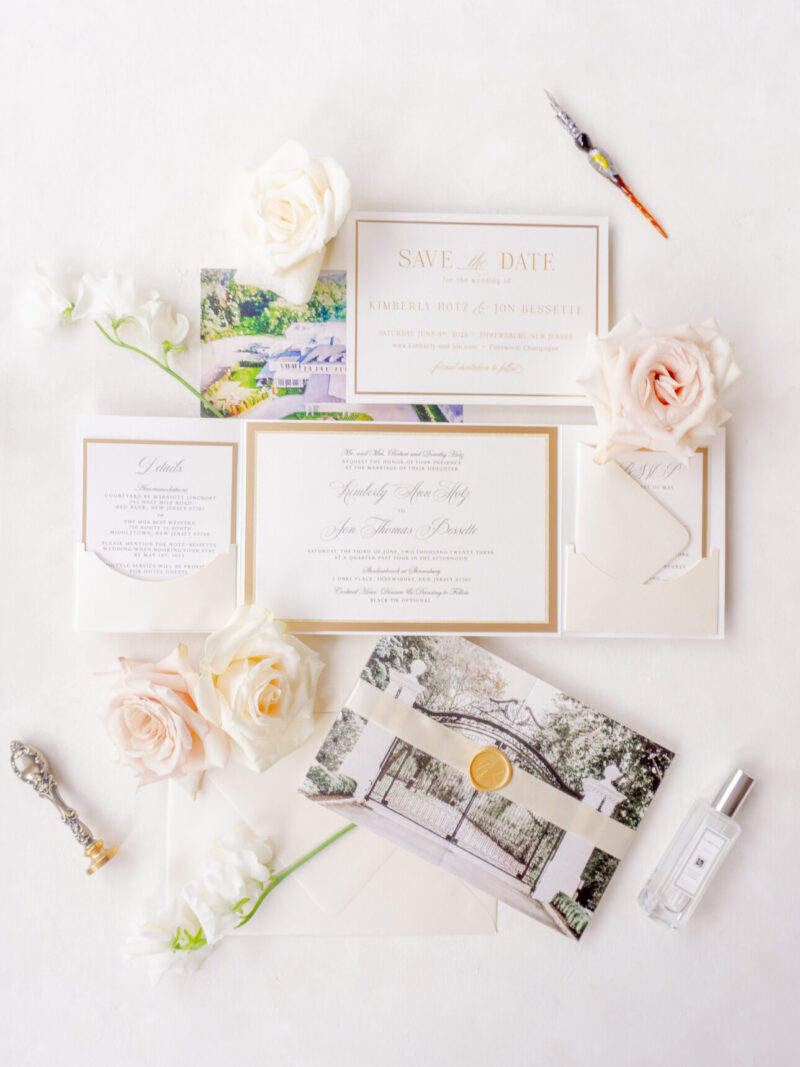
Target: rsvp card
683	490
473	309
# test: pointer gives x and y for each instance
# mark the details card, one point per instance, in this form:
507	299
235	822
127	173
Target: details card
158	509
474	309
425	528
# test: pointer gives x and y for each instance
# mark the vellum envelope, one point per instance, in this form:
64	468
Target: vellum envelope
361	884
543	836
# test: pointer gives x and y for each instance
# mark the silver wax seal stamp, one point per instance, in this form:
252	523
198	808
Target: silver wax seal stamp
30	765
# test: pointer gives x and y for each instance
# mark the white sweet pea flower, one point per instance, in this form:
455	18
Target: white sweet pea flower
182	934
229	884
139	322
294	205
165	328
173	940
110	301
46	304
232	884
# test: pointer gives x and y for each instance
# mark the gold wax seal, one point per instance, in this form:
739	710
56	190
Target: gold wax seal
489	770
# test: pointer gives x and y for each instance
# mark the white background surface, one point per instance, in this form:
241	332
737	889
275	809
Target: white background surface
125	126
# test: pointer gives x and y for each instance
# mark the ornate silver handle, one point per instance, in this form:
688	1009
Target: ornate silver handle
30	766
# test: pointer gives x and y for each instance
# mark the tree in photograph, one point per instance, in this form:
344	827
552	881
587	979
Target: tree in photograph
460	677
341	740
398	652
595	878
329	300
581	743
219	315
228	307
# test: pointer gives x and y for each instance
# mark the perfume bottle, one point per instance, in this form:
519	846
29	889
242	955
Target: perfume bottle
682	876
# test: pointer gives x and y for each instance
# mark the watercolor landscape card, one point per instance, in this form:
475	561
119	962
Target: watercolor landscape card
263	358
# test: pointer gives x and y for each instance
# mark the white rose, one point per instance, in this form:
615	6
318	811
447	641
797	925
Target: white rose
258	684
657	390
294	205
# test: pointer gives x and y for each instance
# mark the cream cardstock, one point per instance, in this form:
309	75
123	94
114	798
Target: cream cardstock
473	309
200	601
683	607
157	514
630	568
367	527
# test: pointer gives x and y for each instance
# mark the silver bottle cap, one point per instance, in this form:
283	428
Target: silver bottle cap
731	796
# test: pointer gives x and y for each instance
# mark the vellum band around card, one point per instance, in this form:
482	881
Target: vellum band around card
445	744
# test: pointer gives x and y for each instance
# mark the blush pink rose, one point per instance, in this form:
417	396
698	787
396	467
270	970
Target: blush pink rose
657	390
152	718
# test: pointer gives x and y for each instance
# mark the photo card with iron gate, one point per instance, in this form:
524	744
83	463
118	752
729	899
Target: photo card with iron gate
546	839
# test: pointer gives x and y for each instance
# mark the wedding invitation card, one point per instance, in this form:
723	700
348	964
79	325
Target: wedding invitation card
473	309
382	528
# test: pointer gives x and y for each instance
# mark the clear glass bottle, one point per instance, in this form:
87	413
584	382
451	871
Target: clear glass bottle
675	887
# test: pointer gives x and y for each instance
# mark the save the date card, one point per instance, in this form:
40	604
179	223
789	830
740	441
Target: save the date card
473	309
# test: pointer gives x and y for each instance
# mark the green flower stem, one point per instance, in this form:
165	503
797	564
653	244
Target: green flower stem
117	340
278	878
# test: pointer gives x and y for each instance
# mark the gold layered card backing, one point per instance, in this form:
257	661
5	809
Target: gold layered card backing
549	624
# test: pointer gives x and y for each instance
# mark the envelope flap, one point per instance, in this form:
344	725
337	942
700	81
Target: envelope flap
362	884
271	804
623	530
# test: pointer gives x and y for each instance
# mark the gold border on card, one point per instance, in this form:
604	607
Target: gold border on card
704	536
149	441
548	625
467	222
